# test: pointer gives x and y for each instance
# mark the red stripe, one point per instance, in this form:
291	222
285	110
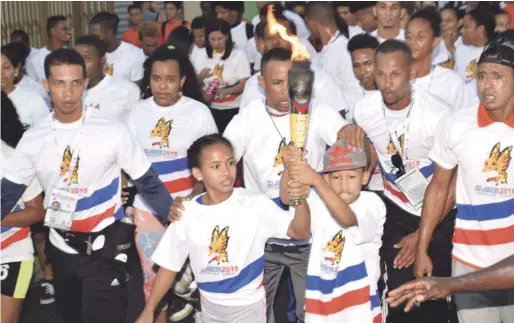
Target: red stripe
395	193
457	259
87	225
338	304
228	98
484	237
18	236
378	318
181	184
261	284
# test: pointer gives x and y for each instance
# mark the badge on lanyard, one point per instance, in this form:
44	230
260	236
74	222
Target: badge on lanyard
61	209
413	185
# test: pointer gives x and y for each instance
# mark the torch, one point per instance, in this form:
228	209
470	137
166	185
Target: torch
299	85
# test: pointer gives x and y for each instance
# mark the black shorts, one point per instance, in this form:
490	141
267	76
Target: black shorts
15	278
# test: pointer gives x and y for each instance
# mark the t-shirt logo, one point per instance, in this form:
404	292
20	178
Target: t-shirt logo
472	69
498	162
97	106
218	245
391	149
66	164
278	157
335	248
217	72
109	69
160	133
449	63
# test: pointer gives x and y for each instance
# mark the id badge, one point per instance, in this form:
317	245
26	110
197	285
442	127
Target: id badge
413	185
61	210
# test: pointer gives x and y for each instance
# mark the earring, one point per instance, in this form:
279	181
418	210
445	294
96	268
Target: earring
15	74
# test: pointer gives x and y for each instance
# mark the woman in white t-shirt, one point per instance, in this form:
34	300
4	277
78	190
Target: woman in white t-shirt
30	106
223	70
451	23
223	232
16	247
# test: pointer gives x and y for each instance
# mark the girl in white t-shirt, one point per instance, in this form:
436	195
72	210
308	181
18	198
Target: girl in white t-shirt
451	22
30	106
16	247
223	70
223	232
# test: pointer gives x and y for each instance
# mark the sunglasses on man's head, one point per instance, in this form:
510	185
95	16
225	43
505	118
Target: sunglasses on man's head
397	161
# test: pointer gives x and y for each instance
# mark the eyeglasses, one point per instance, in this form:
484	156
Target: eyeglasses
397	162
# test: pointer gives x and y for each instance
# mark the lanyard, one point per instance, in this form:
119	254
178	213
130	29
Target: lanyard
75	147
271	110
394	138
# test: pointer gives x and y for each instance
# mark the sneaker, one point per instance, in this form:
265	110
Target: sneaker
180	311
47	293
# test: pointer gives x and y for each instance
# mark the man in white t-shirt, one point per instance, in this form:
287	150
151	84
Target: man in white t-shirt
232	12
259	134
334	57
59	34
77	155
479	141
363	11
389	15
401	123
423	36
343	9
123	60
113	97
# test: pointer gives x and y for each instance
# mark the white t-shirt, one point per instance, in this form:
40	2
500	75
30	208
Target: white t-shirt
446	85
125	63
30	106
466	64
344	264
229	71
239	36
225	244
106	147
194	52
426	111
16	242
482	150
439	55
354	30
28	83
35	65
325	89
258	137
114	97
301	28
400	36
165	134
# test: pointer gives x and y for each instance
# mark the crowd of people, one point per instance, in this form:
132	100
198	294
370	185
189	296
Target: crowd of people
159	178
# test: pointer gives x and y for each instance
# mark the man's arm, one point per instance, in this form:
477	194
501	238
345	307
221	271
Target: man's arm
33	212
154	193
300	226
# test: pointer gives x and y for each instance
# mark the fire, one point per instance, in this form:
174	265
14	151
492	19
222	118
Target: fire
300	53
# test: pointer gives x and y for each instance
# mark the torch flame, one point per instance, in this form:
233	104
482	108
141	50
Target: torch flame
300	53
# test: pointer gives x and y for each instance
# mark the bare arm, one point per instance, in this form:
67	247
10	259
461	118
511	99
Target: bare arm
335	204
300	226
163	282
284	188
32	213
450	200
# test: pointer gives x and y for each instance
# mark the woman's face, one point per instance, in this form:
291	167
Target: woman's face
449	22
470	31
8	72
165	82
218	41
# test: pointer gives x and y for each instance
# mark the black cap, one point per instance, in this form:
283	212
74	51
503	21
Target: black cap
500	50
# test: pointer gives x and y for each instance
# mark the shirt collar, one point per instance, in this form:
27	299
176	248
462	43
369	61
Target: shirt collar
484	120
235	24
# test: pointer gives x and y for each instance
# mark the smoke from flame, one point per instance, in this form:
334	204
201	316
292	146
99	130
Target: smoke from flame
300	53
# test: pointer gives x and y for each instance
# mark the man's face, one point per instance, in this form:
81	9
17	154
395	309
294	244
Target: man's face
366	20
172	13
61	31
420	38
18	39
470	32
99	32
199	37
149	44
94	63
206	8
299	10
364	67
388	13
274	82
495	85
502	22
275	41
349	17
392	75
227	15
66	84
136	16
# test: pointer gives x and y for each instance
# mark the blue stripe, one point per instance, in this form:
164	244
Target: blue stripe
343	277
375	301
16	208
279	203
119	214
427	171
101	196
5	229
486	212
233	284
170	166
199	199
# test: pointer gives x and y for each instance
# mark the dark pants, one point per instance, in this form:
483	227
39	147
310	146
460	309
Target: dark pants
223	117
93	290
399	224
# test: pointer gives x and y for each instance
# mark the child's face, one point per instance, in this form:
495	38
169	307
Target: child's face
348	183
217	168
502	22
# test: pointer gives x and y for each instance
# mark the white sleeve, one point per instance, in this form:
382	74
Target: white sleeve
172	251
237	132
369	221
207	121
250	93
133	97
329	123
274	222
21	169
251	50
137	69
328	91
131	156
442	152
243	66
31	70
39	110
460	96
131	122
33	190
